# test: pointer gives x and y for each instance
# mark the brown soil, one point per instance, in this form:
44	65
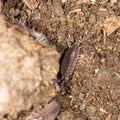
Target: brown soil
94	90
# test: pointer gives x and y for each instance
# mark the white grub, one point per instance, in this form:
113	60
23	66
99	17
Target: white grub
41	38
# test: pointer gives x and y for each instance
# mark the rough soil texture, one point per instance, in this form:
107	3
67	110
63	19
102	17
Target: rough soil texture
93	93
27	73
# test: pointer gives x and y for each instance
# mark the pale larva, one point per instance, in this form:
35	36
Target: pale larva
49	112
40	37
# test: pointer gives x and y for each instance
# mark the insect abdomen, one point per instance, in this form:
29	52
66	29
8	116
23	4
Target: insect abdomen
49	112
41	38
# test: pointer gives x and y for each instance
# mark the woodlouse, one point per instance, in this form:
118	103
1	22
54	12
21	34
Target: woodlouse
69	61
40	37
49	112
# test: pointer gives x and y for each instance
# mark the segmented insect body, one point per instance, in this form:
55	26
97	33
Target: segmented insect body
49	112
69	61
40	37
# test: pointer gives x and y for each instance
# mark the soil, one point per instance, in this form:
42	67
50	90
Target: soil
93	92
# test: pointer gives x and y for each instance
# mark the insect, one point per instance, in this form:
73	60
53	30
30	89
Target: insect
69	61
49	112
40	37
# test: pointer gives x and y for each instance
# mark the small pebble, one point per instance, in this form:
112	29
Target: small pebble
93	0
63	1
82	107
